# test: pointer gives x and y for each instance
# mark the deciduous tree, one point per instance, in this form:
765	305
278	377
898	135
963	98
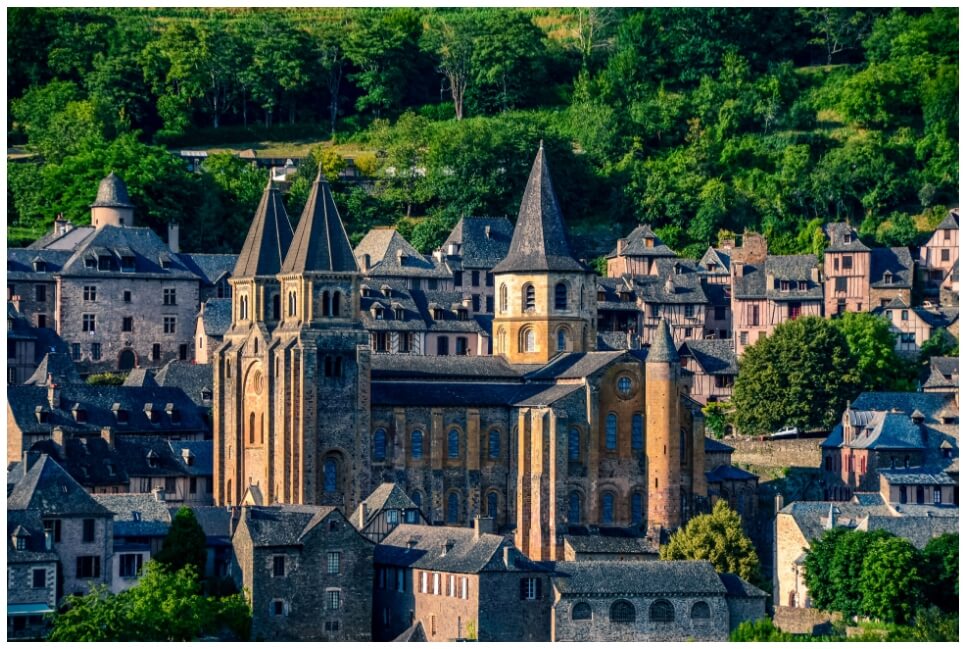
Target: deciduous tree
716	537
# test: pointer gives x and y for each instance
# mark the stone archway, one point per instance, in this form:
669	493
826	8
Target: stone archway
127	360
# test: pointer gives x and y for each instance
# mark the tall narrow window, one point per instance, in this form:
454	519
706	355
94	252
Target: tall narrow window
453	445
276	306
336	306
610	438
637	508
637	432
607	509
494	444
492	499
330	477
379	445
325	304
561	340
503	298
573	507
453	508
529	298
573	445
560	297
291	304
417	444
528	340
251	428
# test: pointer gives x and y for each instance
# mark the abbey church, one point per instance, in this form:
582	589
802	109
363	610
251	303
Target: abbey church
545	434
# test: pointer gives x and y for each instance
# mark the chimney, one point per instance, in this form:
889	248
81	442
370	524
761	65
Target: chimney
438	255
107	434
15	299
620	247
452	249
814	274
779	503
447	546
507	555
57	435
174	231
158	494
482	525
366	262
831	517
739	268
486	231
400	256
363	514
53	393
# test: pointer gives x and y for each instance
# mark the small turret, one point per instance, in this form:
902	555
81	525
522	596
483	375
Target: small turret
112	205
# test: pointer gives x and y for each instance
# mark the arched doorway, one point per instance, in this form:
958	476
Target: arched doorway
126	360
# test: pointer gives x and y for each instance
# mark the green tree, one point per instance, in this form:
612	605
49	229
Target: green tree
383	45
845	572
452	38
801	375
185	544
891	582
872	347
762	630
717	415
818	567
941	571
716	537
941	343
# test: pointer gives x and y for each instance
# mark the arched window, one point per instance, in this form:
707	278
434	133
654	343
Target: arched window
417	499
528	340
494	444
492	500
503	300
529	298
637	508
622	612
501	341
251	428
637	431
326	305
561	340
700	611
453	507
336	306
291	304
417	444
610	438
573	507
581	611
662	611
276	306
453	443
573	445
379	445
330	475
560	297
607	508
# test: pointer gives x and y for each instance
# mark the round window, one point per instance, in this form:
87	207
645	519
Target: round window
625	386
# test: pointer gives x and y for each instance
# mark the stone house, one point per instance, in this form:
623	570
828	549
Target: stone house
746	602
888	430
31	575
384	255
642	601
637	254
474	246
938	256
308	574
674	293
141	522
739	488
384	509
943	375
459	584
212	323
618	314
713	366
31	277
913	326
605	545
80	528
918	486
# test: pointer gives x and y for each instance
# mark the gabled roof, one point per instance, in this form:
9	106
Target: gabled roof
891	263
951	222
483	240
837	233
576	578
793	269
714	446
20	264
388	495
713	356
216	317
56	367
137	514
390	254
662	348
917	476
48	488
930	404
888	430
148	252
62	242
269	238
678	281
449	549
31	526
283	525
539	240
320	243
715	256
209	267
191	378
738	587
943	373
635	245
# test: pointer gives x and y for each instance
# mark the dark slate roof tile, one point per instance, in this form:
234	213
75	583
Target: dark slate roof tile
917	476
320	243
137	514
483	241
714	356
20	264
897	262
449	549
112	192
662	349
600	544
439	393
714	446
727	472
282	525
191	378
391	255
678	281
269	238
635	244
48	488
216	316
793	269
951	222
31	525
55	366
738	587
575	578
837	234
930	404
149	252
209	267
469	368
574	365
388	495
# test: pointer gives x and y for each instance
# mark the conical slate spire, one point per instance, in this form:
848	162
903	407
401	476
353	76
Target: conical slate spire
320	243
662	349
268	238
539	240
112	192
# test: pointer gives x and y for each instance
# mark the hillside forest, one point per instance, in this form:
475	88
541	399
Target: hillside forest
696	121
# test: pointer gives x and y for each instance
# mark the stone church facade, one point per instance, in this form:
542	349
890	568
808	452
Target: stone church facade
546	434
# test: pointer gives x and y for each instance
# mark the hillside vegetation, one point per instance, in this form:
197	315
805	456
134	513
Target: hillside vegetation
694	120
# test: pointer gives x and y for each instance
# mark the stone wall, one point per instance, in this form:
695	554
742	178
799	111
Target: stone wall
599	628
71	546
745	609
776	453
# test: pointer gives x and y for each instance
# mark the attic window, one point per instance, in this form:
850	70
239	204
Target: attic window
386	290
80	415
437	313
103	262
461	313
120	414
206	395
42	415
173	412
887	278
188	456
677	269
40	266
711	266
802	285
127	264
150	413
377	312
136	516
90	262
785	285
399	313
648	242
847	237
152	459
601	296
165	261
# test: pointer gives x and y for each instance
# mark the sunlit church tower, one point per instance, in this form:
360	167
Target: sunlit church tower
308	380
546	299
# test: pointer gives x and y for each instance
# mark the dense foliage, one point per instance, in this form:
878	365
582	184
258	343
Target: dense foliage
716	537
185	543
881	576
164	606
694	120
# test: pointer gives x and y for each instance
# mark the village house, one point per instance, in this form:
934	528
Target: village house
474	246
859	278
307	573
141	522
637	254
213	321
458	584
913	326
939	255
384	255
384	509
943	375
32	582
713	366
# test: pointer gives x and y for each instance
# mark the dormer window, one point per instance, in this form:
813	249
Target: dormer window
784	285
377	312
601	296
887	277
103	262
165	261
802	285
677	269
173	413
150	413
90	262
40	266
80	415
648	242
154	461
461	314
386	290
43	416
120	414
127	264
399	314
206	395
188	457
711	266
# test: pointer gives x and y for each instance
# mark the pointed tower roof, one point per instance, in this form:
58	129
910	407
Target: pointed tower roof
321	243
268	239
539	240
662	349
112	192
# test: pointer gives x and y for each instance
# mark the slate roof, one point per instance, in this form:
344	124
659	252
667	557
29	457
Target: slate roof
112	192
576	578
390	254
717	256
134	453
890	431
388	495
216	316
282	525
738	587
678	281
467	368
917	476
140	377
477	250
191	378
439	393
97	402
20	264
713	356
794	269
896	261
448	302
215	521
320	243
613	288
545	397
574	365
726	472
31	525
136	514
812	516
116	243
49	489
89	460
918	530
210	268
662	349
930	404
424	547
937	318
612	341
599	544
635	245
539	240
66	241
836	233
714	446
398	299
943	373
951	222
269	237
58	367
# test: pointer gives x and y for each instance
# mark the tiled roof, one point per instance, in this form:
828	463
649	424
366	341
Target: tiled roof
713	356
112	192
148	251
574	578
20	264
269	237
140	377
215	521
678	281
951	222
895	261
793	269
662	348
48	488
216	317
635	245
539	240
468	368
930	404
812	516
209	267
837	232
136	514
937	318
714	446
388	495
89	460
57	367
575	365
191	378
917	476
449	549
738	587
447	303
890	431
477	247
612	341
918	530
599	544
716	256
390	254
31	526
545	397
439	393
943	372
727	472
281	525
66	241
320	243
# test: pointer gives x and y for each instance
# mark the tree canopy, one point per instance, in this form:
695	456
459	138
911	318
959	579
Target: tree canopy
185	544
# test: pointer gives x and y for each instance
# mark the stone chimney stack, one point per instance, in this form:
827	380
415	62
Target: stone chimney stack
53	393
174	232
363	515
779	503
57	435
482	525
486	231
107	434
